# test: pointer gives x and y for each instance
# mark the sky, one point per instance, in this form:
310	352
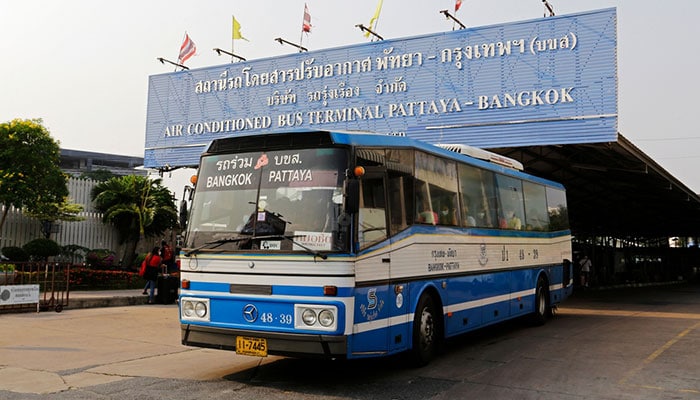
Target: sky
83	65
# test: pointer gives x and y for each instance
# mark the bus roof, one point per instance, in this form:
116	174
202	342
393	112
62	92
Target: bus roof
498	164
382	140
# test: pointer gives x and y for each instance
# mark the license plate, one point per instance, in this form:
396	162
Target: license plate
250	346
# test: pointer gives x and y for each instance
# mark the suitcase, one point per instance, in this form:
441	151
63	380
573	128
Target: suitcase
167	289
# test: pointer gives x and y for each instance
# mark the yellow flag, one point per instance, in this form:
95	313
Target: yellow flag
237	30
374	17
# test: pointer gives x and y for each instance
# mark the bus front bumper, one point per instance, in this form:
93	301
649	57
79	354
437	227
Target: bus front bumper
283	344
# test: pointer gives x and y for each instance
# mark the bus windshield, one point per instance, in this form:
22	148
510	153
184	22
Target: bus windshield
290	199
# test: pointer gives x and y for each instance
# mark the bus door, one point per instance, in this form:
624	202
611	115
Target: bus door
386	197
401	213
373	299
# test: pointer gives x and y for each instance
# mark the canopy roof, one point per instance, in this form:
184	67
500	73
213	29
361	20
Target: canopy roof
614	189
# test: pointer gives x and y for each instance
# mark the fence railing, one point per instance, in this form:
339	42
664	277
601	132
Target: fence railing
40	285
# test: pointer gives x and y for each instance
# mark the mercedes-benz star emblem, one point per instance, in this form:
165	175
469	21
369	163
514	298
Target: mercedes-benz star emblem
250	313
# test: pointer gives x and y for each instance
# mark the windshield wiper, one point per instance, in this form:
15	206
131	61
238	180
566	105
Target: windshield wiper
216	243
291	239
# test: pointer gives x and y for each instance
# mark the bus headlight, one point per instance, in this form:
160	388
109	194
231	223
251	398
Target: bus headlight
326	318
193	309
200	309
188	309
315	316
309	317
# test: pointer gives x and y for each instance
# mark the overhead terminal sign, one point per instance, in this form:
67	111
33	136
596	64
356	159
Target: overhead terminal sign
545	81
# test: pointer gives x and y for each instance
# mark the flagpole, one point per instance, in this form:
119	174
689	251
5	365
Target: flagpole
233	18
178	54
376	24
301	38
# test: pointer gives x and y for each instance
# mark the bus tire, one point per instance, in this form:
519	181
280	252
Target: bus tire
426	331
542	307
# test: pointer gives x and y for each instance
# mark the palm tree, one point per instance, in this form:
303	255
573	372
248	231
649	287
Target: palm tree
137	206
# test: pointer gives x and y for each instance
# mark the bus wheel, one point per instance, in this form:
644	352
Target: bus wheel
542	310
426	332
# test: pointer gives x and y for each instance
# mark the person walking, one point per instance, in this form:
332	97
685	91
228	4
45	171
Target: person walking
153	265
167	255
585	270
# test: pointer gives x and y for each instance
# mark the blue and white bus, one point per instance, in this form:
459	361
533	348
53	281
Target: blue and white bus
347	245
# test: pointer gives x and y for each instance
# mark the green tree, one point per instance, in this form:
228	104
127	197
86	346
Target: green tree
30	176
99	175
49	213
137	206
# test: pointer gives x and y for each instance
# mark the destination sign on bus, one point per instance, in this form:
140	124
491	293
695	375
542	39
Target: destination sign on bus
299	168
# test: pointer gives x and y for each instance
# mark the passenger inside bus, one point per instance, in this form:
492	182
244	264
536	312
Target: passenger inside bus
448	215
427	215
513	221
468	219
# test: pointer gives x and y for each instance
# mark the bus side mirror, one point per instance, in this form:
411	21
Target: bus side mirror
352	196
183	214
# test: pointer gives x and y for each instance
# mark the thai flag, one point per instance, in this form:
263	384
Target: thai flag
187	50
306	25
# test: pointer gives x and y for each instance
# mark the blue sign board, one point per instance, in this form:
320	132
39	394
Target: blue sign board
545	81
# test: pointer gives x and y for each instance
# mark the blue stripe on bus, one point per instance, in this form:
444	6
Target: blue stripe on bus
452	230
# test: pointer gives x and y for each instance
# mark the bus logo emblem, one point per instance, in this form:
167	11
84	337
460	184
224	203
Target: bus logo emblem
483	259
372	299
250	313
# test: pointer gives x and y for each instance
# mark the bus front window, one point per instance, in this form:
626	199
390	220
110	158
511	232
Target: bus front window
272	195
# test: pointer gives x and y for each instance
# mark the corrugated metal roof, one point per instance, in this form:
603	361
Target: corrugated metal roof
614	189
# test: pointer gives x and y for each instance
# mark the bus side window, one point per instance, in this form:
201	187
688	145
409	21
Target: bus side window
477	191
536	217
372	213
400	188
425	214
557	210
511	207
400	202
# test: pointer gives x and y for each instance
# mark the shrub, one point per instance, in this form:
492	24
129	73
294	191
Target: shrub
7	274
7	268
15	253
73	253
100	258
42	248
89	279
